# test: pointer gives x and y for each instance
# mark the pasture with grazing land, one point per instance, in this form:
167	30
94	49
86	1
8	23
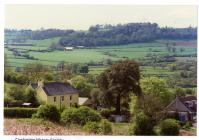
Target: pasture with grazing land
98	54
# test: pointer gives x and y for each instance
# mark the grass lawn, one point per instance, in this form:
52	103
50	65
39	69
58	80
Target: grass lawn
121	128
96	70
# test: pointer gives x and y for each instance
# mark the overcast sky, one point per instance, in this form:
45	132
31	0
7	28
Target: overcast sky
80	17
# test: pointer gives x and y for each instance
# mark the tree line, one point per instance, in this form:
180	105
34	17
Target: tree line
100	35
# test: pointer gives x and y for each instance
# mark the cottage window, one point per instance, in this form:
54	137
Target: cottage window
62	98
54	99
71	97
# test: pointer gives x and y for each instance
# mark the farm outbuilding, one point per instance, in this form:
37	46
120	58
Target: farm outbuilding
80	47
68	48
26	104
83	100
185	107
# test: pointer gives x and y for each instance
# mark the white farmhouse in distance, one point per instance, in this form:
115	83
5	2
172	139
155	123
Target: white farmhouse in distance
68	48
80	47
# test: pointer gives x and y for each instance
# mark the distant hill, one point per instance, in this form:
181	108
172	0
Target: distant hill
101	35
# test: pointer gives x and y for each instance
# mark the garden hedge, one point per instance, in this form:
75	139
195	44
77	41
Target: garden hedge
19	112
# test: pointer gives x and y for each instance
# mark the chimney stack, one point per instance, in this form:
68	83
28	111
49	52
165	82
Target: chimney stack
41	83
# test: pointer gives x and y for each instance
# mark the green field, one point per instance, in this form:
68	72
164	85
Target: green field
96	70
156	71
29	47
98	54
86	55
45	43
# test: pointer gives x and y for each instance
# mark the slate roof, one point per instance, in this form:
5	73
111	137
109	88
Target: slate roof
177	105
34	85
57	88
190	98
187	98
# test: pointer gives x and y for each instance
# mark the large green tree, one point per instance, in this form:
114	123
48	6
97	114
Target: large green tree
31	97
82	85
95	95
118	81
35	71
152	106
157	87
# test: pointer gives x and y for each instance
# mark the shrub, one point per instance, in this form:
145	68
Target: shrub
174	115
106	127
49	112
80	115
92	127
17	93
105	113
88	114
75	105
14	77
19	112
95	94
143	125
7	100
70	116
187	126
15	103
103	127
169	127
31	97
130	129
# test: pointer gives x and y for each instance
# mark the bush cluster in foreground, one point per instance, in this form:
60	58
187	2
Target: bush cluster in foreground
104	127
49	112
92	121
79	116
143	125
84	116
169	127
